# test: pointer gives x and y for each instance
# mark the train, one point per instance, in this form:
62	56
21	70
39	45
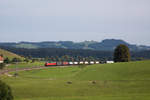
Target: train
65	63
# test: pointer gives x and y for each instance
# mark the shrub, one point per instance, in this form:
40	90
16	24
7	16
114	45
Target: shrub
7	60
26	60
15	60
2	65
5	92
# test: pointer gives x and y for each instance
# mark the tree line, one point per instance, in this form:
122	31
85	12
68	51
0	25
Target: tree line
57	54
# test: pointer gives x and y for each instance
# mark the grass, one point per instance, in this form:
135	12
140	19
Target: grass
119	71
120	81
29	46
25	65
10	55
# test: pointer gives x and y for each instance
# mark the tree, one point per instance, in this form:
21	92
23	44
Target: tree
15	60
26	60
122	53
5	92
7	60
33	60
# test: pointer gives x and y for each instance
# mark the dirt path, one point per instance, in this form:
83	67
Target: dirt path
5	71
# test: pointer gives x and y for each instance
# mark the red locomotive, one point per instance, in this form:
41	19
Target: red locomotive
51	64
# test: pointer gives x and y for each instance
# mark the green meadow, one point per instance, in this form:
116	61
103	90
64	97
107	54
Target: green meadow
10	55
26	65
119	81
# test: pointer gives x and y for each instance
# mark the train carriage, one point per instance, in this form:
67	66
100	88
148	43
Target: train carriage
70	63
96	62
86	62
91	62
65	63
75	63
81	62
59	63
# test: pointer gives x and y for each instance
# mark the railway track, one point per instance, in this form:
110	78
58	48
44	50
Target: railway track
4	71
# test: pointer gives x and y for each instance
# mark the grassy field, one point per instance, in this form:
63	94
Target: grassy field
10	55
26	65
120	81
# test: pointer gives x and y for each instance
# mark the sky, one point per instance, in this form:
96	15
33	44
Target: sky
75	20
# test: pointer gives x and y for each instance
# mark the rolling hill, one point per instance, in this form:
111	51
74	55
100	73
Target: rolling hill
8	54
119	81
105	45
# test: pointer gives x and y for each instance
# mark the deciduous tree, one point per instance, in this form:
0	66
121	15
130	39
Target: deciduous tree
122	53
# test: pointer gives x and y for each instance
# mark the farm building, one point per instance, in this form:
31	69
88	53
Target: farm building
1	59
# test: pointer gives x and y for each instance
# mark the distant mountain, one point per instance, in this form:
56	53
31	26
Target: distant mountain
105	45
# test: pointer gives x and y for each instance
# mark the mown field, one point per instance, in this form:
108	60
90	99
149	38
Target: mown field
120	81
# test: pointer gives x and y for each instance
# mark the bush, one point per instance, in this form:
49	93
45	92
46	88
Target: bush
15	60
7	60
2	65
5	92
16	74
33	60
26	60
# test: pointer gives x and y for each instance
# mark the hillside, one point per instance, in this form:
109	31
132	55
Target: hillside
118	71
119	81
105	45
54	52
8	54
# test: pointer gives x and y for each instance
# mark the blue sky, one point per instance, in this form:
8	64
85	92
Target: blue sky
75	20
